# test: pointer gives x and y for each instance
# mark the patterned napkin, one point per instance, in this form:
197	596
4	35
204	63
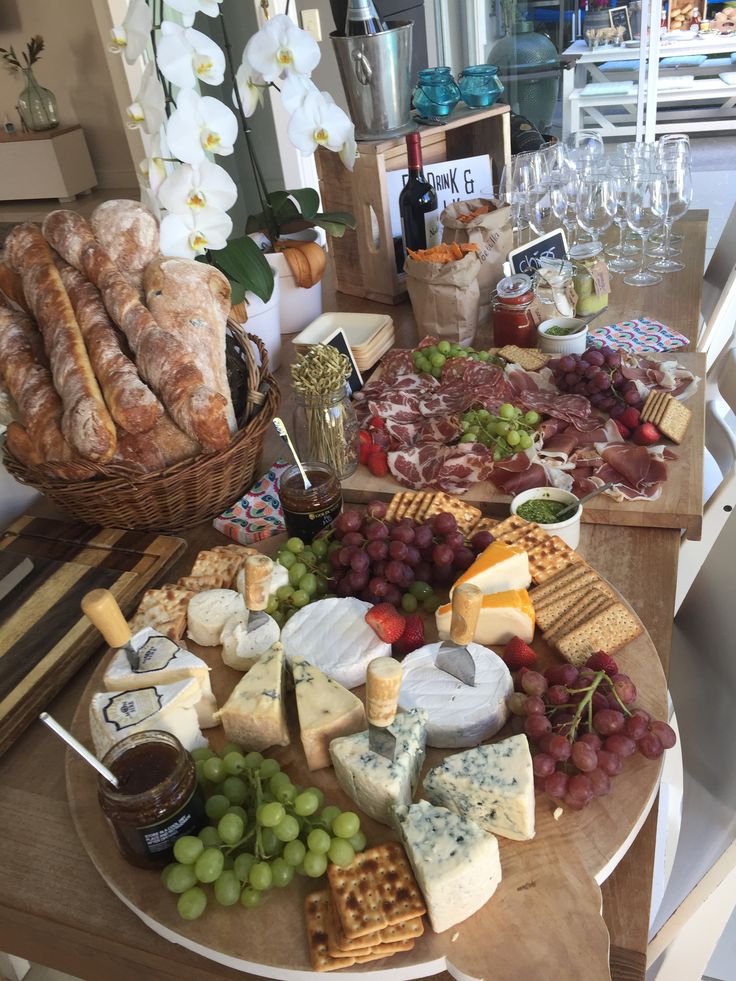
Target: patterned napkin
638	336
258	514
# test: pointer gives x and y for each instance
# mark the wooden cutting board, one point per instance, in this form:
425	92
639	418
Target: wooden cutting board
44	637
680	504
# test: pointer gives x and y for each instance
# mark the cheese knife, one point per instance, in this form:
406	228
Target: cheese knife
383	681
101	607
257	578
453	656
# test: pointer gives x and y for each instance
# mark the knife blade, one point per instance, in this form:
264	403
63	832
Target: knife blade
453	656
383	681
102	609
15	576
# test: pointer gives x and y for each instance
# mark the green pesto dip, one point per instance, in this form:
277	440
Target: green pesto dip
558	331
542	510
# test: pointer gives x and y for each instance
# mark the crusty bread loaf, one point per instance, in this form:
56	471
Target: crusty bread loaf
129	233
162	359
193	299
21	446
86	423
131	402
9	411
160	447
12	286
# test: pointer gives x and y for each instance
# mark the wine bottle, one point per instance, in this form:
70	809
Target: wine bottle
363	19
417	200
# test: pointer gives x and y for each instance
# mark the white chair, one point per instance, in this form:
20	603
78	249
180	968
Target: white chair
718	304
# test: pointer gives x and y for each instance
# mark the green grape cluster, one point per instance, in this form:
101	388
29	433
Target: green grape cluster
509	432
309	571
432	359
263	830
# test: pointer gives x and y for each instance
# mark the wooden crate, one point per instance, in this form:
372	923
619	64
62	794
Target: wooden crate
364	260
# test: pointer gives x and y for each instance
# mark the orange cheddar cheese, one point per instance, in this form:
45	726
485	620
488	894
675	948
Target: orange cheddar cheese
502	616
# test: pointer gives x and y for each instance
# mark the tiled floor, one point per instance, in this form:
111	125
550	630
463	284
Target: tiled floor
85	204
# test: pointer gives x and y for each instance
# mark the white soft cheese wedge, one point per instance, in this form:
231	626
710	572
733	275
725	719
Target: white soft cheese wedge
498	568
456	864
333	636
279	577
255	715
161	662
209	611
173	708
490	785
502	616
326	711
375	783
242	644
458	715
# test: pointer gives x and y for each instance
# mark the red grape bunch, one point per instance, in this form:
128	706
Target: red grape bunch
597	375
585	725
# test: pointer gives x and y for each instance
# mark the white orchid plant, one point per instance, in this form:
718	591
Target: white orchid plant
184	129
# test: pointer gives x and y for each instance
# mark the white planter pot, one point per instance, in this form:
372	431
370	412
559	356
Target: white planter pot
299	306
264	319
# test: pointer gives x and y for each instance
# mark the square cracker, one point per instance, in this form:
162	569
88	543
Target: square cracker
316	916
424	507
509	526
530	539
484	524
674	420
528	358
608	630
660	407
550	557
165	610
377	890
339	945
466	515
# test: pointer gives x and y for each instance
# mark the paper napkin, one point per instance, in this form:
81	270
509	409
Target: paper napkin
642	336
258	514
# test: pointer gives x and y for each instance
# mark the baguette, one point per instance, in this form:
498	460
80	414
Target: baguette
161	447
22	448
129	233
9	411
162	359
131	402
12	286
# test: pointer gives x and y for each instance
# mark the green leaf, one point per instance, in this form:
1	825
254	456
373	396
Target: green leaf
243	262
237	292
306	198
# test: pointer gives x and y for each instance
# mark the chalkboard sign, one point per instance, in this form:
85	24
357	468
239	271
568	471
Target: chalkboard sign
553	245
339	341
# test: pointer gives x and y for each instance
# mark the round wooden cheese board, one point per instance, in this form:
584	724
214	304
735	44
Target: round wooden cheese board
545	912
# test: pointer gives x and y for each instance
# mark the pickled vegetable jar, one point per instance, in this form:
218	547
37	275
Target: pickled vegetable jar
436	92
590	278
480	85
513	322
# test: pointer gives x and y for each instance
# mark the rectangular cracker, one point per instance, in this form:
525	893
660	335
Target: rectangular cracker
384	950
587	580
608	630
550	557
396	502
530	539
577	614
419	501
556	608
528	358
508	526
674	420
164	609
424	507
373	944
316	916
377	890
198	584
466	515
215	564
565	577
484	524
651	404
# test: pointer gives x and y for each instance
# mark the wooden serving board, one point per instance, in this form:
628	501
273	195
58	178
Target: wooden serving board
549	883
44	637
679	506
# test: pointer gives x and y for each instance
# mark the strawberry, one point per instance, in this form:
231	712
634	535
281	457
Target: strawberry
601	661
517	654
365	446
622	428
378	463
646	434
376	422
412	637
630	417
386	621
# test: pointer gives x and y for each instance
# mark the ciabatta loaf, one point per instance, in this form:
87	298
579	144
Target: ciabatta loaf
129	233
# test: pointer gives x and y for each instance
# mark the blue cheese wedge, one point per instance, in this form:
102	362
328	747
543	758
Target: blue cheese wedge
375	783
458	715
161	662
326	711
254	715
491	785
455	863
172	708
209	611
243	642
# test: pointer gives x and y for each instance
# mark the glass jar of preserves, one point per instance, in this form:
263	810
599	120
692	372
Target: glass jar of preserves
513	321
308	511
553	284
436	92
590	278
157	800
326	430
480	85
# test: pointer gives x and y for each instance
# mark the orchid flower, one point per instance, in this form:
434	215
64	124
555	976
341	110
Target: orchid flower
192	234
152	168
132	38
149	108
250	87
294	91
280	46
319	122
196	188
190	8
186	56
118	39
349	150
200	125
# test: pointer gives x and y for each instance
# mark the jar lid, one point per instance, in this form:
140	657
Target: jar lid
511	286
585	250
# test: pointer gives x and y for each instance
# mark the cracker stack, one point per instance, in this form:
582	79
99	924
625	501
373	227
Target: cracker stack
420	506
372	909
548	554
669	416
528	358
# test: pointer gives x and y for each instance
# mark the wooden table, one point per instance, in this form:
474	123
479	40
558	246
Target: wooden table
55	909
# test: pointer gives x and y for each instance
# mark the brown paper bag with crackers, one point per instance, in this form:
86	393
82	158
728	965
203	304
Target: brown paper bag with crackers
486	223
444	297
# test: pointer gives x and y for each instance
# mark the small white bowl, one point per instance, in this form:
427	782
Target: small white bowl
569	344
568	530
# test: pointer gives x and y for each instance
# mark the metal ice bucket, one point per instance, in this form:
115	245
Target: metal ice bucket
376	73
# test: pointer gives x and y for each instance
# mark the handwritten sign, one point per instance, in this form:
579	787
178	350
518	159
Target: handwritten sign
553	245
339	341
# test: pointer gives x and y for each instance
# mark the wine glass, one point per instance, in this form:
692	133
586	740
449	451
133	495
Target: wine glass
596	203
679	188
542	208
646	207
620	177
517	182
591	143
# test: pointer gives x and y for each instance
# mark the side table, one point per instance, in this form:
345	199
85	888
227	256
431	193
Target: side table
52	164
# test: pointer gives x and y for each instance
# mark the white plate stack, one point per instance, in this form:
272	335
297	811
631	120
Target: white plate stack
369	335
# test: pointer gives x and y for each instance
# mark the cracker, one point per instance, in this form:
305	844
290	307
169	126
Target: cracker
675	420
215	564
528	358
397	505
587	578
556	607
384	950
608	630
164	609
559	580
198	584
417	502
508	526
550	557
651	404
577	614
466	515
316	916
484	524
338	944
529	539
377	890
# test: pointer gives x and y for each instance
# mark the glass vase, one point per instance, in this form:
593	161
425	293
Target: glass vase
37	105
326	430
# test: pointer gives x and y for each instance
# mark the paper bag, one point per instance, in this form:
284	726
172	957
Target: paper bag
444	297
492	234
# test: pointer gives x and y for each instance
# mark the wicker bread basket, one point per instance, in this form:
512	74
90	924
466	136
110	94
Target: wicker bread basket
189	492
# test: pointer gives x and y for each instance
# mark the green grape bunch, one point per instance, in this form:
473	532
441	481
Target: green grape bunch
432	360
510	431
308	570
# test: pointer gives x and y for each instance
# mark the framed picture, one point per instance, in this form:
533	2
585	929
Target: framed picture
619	17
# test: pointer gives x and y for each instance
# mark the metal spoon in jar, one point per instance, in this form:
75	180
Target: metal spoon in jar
281	430
570	509
78	747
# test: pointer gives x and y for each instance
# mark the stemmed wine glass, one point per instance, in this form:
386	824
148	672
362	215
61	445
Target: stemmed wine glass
590	143
542	207
646	207
620	177
517	182
679	189
596	203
